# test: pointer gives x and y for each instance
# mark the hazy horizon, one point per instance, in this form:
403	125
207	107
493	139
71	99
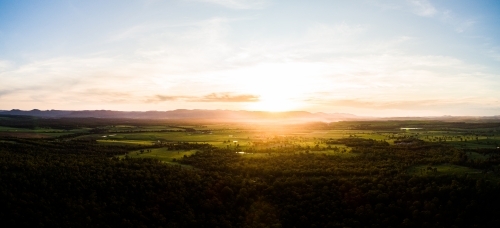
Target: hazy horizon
363	57
273	114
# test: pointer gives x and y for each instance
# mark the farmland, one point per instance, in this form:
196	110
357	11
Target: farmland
202	174
251	137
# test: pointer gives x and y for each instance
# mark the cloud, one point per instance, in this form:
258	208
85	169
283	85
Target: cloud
4	92
437	106
167	98
163	98
494	53
181	49
460	25
129	33
463	26
200	58
194	64
100	94
239	4
227	97
339	31
4	65
423	8
406	104
168	58
212	97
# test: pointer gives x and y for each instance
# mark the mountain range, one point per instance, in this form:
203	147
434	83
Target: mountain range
220	115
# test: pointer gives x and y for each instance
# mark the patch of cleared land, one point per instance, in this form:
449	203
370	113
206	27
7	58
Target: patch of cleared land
162	154
448	169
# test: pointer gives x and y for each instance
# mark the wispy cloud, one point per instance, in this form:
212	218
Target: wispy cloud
416	107
423	8
163	98
4	92
4	65
460	25
401	104
212	97
103	95
463	26
494	53
227	97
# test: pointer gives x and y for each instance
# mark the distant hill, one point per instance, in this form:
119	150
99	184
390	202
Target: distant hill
179	114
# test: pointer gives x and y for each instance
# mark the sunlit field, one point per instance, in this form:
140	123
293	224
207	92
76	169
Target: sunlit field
247	138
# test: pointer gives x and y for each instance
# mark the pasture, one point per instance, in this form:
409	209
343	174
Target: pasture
244	136
449	169
224	137
38	132
162	154
443	169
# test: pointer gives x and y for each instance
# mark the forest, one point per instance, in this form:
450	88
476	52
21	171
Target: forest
90	172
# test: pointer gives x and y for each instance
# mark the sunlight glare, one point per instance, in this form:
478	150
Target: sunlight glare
274	104
280	86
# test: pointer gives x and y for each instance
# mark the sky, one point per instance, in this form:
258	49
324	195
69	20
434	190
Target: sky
364	57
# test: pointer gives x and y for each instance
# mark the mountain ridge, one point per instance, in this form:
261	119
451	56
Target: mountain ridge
228	115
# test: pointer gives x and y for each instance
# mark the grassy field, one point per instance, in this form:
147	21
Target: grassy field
444	169
125	142
245	136
448	169
223	137
162	154
42	130
38	132
131	128
477	156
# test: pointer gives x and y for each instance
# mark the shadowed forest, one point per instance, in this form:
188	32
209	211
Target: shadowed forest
91	172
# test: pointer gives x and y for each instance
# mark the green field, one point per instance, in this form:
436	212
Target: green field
125	142
162	154
477	156
245	137
449	169
305	138
444	169
38	132
248	137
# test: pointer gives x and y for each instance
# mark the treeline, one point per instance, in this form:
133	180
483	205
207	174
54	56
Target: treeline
358	142
425	124
68	123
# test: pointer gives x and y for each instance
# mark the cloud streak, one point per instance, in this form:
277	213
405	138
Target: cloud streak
423	8
407	104
212	97
226	97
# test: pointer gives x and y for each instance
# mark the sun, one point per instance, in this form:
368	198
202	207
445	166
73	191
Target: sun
278	86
